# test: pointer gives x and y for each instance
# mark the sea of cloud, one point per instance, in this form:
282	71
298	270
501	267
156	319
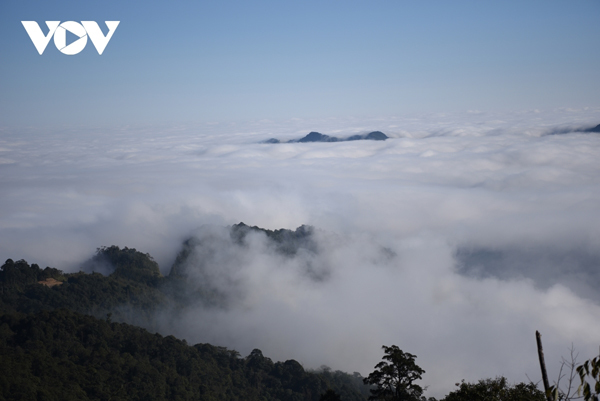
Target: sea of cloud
455	239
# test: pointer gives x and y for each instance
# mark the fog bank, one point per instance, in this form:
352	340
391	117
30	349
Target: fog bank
455	239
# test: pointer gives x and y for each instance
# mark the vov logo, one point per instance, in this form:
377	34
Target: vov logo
59	31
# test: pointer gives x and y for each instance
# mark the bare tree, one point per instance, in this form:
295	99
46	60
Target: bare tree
574	378
568	372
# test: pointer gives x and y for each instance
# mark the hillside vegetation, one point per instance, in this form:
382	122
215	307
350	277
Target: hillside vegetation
92	336
76	336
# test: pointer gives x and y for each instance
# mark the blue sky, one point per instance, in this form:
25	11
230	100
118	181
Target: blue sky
238	60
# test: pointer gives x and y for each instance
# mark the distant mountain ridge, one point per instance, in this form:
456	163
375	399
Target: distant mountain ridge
572	130
318	137
593	129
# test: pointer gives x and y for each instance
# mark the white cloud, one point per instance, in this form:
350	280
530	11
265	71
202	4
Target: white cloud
482	182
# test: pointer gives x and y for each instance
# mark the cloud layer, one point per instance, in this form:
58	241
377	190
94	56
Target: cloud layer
455	239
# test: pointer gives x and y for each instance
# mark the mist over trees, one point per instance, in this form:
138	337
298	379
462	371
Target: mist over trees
58	351
88	335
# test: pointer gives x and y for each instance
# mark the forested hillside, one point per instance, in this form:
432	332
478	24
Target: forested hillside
63	355
92	336
75	336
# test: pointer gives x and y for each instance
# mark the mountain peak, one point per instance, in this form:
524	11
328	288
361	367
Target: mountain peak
318	137
315	136
377	136
594	129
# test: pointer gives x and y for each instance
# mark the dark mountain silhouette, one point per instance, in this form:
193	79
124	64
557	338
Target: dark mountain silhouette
318	137
373	136
377	136
594	129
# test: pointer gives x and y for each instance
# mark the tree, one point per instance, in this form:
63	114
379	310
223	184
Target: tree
590	368
495	390
394	377
330	395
